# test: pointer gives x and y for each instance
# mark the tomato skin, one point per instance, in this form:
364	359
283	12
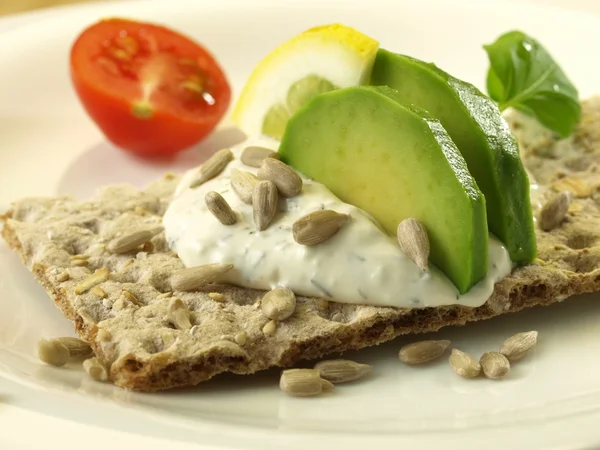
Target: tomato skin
167	129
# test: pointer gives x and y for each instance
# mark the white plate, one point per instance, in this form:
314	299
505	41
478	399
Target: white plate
48	146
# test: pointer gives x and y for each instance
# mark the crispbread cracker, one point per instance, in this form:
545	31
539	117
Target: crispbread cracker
145	351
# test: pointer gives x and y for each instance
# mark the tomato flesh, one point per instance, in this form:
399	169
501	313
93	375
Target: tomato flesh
150	90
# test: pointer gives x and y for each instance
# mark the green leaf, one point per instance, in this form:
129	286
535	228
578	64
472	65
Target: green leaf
524	76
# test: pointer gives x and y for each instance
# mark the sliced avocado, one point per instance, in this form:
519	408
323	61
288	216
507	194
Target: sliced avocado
476	126
394	162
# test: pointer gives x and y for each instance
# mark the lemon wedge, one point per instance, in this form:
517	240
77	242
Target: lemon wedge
319	60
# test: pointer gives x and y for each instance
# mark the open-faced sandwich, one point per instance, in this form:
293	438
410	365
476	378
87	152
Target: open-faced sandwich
375	196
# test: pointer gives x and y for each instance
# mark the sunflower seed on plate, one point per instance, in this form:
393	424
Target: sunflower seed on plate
193	278
279	303
76	346
53	352
342	370
422	351
286	179
302	382
212	167
254	155
264	203
318	226
243	184
464	364
414	242
219	208
95	369
494	365
517	346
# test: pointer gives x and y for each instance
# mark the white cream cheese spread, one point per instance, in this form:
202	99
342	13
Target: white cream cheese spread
361	264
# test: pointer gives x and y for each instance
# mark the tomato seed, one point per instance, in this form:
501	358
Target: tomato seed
108	65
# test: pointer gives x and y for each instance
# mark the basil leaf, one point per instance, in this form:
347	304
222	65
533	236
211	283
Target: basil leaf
524	76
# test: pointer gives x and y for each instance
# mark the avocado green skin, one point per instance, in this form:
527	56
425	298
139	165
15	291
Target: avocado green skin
476	126
395	162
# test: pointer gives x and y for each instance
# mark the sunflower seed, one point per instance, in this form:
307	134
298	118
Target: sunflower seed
422	351
494	365
327	385
342	370
578	187
53	352
464	364
132	241
414	241
554	210
216	296
253	156
95	369
241	338
270	328
130	297
243	184
79	262
194	278
278	303
63	276
99	276
80	256
179	314
212	167
285	178
98	292
517	346
302	382
164	295
219	207
264	204
76	346
104	335
318	226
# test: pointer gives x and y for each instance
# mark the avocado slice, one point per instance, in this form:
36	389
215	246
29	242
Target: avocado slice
394	162
475	124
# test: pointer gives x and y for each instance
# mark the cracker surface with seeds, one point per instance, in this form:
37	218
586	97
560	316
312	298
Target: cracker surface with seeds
139	346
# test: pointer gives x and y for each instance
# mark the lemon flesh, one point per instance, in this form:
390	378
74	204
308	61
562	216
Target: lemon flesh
319	60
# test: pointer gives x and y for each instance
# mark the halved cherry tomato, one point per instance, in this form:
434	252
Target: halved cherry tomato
150	90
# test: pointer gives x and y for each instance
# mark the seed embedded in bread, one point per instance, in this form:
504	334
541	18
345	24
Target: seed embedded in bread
279	303
193	278
270	328
179	314
99	276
